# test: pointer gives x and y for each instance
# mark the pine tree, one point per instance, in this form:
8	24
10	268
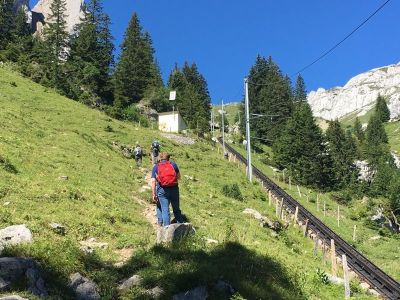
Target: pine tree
342	149
270	95
381	109
91	56
300	93
359	131
56	41
376	146
301	149
193	99
6	22
135	71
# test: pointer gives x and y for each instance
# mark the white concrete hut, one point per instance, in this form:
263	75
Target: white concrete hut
171	122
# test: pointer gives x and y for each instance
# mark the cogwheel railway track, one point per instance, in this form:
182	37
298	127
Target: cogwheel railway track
368	271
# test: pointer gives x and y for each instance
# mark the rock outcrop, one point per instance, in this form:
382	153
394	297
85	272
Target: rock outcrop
41	13
359	94
14	235
84	288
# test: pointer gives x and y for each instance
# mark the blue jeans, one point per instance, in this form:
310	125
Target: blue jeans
165	197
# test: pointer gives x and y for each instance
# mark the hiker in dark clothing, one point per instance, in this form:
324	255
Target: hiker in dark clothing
155	150
164	181
138	154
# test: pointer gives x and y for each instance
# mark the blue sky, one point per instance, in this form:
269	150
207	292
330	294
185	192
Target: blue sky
223	37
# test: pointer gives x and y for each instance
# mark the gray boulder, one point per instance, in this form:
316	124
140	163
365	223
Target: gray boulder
135	280
174	232
14	235
20	269
199	293
84	288
155	293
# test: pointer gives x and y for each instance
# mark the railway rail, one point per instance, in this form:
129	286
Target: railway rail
368	271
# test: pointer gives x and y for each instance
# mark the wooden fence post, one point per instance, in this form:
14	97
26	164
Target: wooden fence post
346	277
281	209
290	183
298	190
354	232
277	208
333	258
338	216
315	251
269	198
324	208
306	228
296	212
318	202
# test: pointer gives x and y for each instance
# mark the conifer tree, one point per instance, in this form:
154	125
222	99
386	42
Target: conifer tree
193	99
6	21
91	56
359	131
301	149
300	93
376	146
270	95
135	71
381	109
56	41
342	149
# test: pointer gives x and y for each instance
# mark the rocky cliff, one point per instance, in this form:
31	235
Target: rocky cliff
41	13
359	95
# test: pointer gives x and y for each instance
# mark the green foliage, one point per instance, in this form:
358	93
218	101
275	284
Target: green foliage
136	70
193	100
300	92
271	95
382	110
91	57
7	165
232	191
394	193
301	150
376	141
56	44
359	131
343	150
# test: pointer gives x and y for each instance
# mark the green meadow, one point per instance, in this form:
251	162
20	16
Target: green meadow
45	137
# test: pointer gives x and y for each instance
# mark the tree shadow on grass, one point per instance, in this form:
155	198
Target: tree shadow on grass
178	268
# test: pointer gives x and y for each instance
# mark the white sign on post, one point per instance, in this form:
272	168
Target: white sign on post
172	95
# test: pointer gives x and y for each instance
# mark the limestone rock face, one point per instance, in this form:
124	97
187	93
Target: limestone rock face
73	13
359	94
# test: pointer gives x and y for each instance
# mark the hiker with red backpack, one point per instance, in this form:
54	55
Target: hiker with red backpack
164	181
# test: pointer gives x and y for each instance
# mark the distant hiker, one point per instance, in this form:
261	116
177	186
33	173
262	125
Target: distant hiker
164	181
138	154
155	150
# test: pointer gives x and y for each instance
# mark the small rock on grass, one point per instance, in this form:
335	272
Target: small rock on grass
135	280
14	235
155	293
199	293
84	288
57	228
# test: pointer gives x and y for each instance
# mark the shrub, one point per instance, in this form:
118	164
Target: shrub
232	191
342	197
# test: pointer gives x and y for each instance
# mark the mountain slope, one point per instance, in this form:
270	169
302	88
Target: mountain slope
359	95
45	137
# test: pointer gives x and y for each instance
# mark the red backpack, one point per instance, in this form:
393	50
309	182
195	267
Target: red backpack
166	174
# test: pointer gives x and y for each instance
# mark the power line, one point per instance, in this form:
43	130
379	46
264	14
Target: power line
345	38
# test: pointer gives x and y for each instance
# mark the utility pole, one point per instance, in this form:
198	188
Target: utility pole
223	129
249	166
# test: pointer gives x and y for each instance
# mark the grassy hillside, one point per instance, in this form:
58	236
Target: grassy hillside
379	245
232	110
45	136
